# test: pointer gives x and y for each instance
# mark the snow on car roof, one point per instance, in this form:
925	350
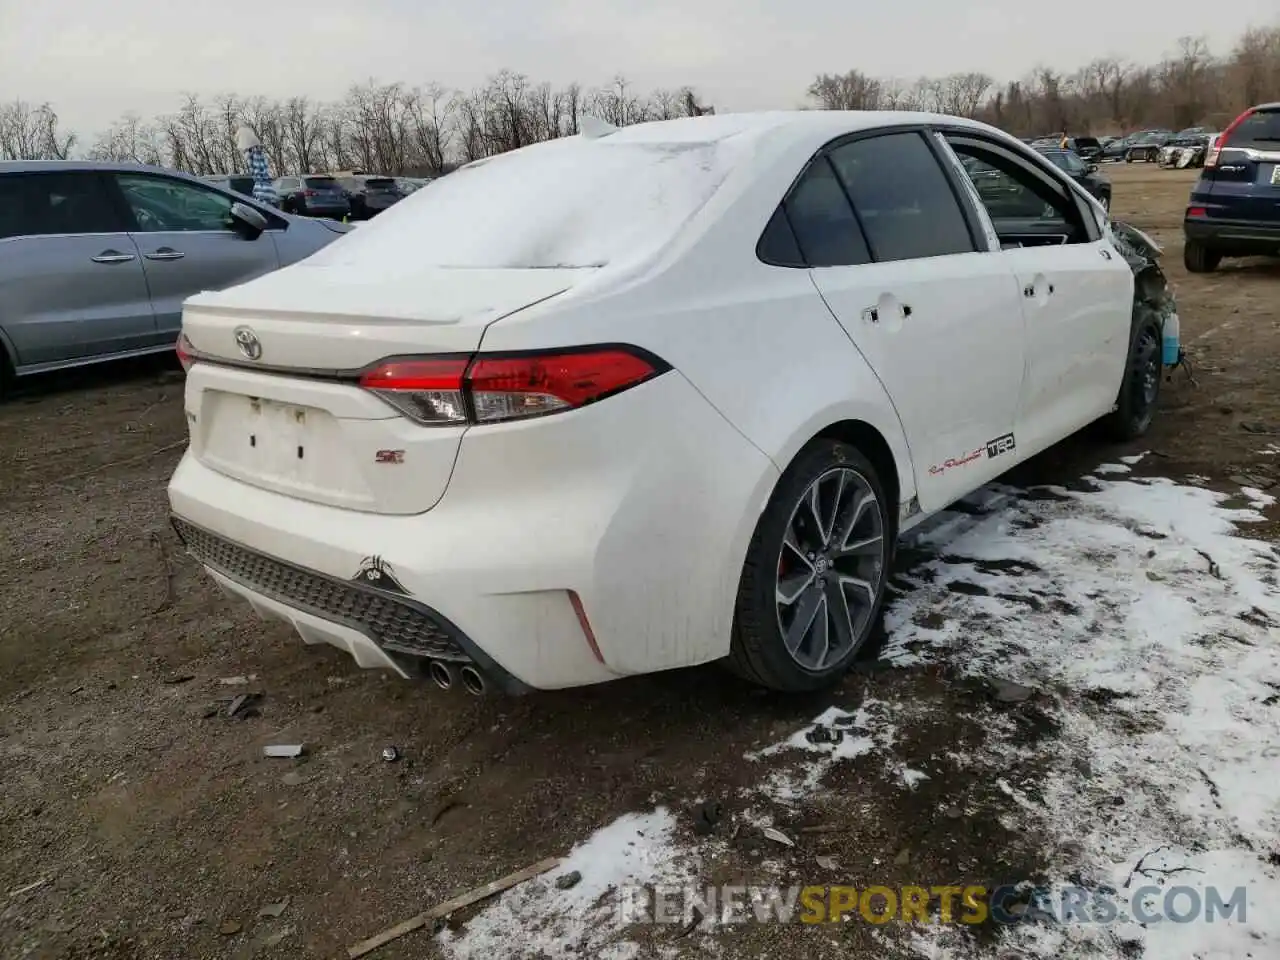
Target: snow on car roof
583	201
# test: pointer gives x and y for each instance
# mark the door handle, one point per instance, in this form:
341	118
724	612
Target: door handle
111	256
164	253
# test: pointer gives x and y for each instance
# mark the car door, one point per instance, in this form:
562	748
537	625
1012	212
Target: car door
184	232
1077	290
71	280
935	315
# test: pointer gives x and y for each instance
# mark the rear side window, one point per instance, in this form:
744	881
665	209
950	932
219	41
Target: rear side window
826	229
904	200
379	183
44	204
1261	128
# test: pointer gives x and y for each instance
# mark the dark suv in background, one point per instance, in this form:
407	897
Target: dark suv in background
1234	209
369	195
1081	171
315	195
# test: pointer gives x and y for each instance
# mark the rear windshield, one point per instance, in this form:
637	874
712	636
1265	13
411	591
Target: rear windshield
564	203
322	183
380	183
1262	127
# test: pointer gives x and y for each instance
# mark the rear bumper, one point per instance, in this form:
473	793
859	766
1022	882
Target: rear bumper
640	506
1244	235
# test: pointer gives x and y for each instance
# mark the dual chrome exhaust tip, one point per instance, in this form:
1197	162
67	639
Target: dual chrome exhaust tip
445	675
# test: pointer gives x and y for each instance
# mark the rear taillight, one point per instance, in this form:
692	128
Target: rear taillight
308	193
186	352
490	388
1211	158
1197	212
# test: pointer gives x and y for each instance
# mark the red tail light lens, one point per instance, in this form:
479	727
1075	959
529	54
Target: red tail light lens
426	389
186	352
1211	158
493	388
1197	212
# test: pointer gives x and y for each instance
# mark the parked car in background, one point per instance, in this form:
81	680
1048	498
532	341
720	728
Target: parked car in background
96	259
1234	210
313	195
1087	148
369	195
1116	148
1083	173
408	185
720	395
1146	148
1186	150
242	184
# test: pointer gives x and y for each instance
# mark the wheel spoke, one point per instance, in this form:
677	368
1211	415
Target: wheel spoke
867	547
789	542
860	588
841	616
856	511
791	587
811	604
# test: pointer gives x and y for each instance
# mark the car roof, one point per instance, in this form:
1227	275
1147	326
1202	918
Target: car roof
86	166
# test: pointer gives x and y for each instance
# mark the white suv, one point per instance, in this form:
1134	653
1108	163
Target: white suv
645	398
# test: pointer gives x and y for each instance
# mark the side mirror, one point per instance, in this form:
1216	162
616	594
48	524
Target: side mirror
247	220
1091	168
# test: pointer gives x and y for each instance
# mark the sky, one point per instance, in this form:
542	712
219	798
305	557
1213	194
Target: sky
96	61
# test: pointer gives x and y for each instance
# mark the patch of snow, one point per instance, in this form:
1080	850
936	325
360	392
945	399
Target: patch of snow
913	778
1270	450
1112	468
861	732
1148	593
1136	458
1257	498
635	850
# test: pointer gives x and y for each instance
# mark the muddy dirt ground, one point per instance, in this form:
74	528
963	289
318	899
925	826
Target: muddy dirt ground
154	827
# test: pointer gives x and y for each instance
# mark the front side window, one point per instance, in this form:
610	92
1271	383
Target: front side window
1018	201
162	205
50	204
902	197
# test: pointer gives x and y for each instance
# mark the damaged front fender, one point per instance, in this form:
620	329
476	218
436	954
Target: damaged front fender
1151	289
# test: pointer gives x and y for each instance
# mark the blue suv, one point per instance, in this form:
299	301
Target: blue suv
1235	206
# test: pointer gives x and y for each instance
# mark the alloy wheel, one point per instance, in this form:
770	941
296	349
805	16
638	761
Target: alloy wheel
829	569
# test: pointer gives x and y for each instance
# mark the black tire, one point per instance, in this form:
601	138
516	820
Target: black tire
1198	258
1105	200
759	651
1140	389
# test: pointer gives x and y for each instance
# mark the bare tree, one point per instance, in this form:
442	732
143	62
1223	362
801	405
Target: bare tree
30	132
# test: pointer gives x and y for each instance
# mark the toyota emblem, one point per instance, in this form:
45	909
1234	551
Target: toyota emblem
248	343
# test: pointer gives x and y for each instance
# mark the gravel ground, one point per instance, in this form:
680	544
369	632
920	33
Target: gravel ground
151	825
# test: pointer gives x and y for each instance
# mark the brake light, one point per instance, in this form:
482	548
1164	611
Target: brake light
1211	158
453	390
186	352
1197	212
308	193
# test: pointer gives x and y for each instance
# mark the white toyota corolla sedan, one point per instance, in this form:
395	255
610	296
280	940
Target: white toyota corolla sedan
645	398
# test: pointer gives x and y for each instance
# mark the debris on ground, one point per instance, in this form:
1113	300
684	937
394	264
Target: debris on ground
284	750
239	702
390	754
706	817
827	863
229	928
824	734
449	906
569	880
238	681
178	678
1006	691
29	887
274	910
777	836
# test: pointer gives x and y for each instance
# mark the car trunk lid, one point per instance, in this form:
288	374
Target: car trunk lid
273	399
